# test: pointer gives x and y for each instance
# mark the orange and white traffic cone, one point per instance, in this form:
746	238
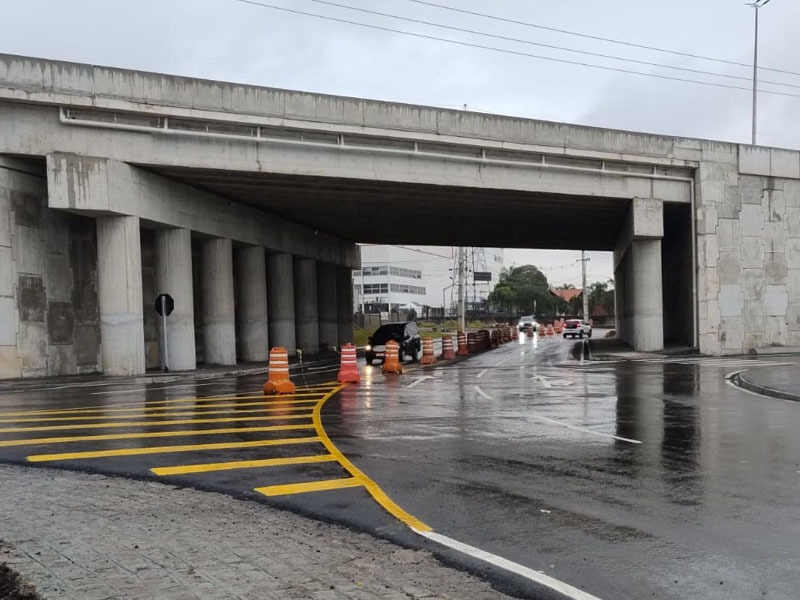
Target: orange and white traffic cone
550	331
348	369
428	357
447	348
391	362
278	381
463	349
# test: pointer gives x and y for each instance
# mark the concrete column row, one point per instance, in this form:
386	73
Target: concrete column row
301	304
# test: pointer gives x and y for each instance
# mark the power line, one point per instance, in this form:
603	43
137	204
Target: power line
550	46
598	38
507	51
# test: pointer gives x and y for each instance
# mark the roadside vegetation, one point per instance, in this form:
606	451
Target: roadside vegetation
12	587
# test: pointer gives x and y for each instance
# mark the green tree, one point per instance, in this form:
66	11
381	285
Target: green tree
524	290
601	299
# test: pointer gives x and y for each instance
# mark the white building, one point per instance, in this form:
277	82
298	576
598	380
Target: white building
420	278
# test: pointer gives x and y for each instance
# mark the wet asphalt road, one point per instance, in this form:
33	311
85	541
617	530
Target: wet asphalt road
633	479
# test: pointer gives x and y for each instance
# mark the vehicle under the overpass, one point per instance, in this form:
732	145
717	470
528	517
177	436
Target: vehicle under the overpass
245	203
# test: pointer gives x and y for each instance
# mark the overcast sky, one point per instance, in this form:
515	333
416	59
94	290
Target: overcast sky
236	41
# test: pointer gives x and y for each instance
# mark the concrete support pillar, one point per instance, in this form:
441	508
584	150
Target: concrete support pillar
119	278
216	286
280	300
326	306
647	325
344	304
251	309
173	271
305	305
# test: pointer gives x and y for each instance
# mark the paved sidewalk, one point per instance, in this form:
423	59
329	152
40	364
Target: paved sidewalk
778	381
78	536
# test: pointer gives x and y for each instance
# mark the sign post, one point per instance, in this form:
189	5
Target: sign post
164	307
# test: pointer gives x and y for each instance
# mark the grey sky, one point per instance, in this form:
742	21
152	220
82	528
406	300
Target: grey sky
229	40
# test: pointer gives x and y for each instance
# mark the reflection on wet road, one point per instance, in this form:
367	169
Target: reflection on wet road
632	479
644	479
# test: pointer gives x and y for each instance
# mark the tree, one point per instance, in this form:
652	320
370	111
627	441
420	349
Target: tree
601	299
524	290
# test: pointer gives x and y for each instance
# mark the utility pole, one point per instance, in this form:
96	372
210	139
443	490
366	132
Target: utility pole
462	290
756	5
583	260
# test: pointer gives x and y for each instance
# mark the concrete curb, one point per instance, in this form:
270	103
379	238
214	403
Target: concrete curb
740	380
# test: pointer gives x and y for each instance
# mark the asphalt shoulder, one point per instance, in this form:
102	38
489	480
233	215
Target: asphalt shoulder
84	536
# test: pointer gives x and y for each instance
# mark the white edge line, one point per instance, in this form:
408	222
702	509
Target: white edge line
515	568
481	373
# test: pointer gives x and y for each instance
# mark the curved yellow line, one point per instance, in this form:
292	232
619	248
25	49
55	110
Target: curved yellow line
373	488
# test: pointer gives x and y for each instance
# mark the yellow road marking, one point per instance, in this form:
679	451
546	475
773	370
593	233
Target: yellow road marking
311	486
147	414
358	477
152	423
242	464
169	449
136	436
212	401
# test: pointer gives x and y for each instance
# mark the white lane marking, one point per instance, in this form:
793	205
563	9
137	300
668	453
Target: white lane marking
567	425
482	393
497	364
584	429
515	568
419	380
481	373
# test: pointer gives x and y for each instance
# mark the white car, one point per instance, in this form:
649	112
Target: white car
528	322
577	328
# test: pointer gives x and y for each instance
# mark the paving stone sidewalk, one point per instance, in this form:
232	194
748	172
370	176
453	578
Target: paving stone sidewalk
79	536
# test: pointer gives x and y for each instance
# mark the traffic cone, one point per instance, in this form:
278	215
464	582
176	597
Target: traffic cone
428	357
463	349
391	363
348	369
278	381
447	348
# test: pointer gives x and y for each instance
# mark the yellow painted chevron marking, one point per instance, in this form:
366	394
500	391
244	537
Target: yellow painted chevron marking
83	426
148	404
312	486
242	464
137	436
169	449
146	414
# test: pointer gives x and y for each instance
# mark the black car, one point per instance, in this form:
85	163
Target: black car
405	333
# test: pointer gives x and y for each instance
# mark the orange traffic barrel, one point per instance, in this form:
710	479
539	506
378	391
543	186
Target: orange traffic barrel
278	381
463	349
550	329
428	357
391	362
348	369
447	348
542	330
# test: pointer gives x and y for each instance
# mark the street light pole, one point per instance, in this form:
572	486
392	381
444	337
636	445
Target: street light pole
756	5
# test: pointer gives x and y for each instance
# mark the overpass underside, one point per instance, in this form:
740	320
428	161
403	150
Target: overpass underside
245	204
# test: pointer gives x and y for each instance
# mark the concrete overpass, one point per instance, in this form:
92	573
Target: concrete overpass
245	204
